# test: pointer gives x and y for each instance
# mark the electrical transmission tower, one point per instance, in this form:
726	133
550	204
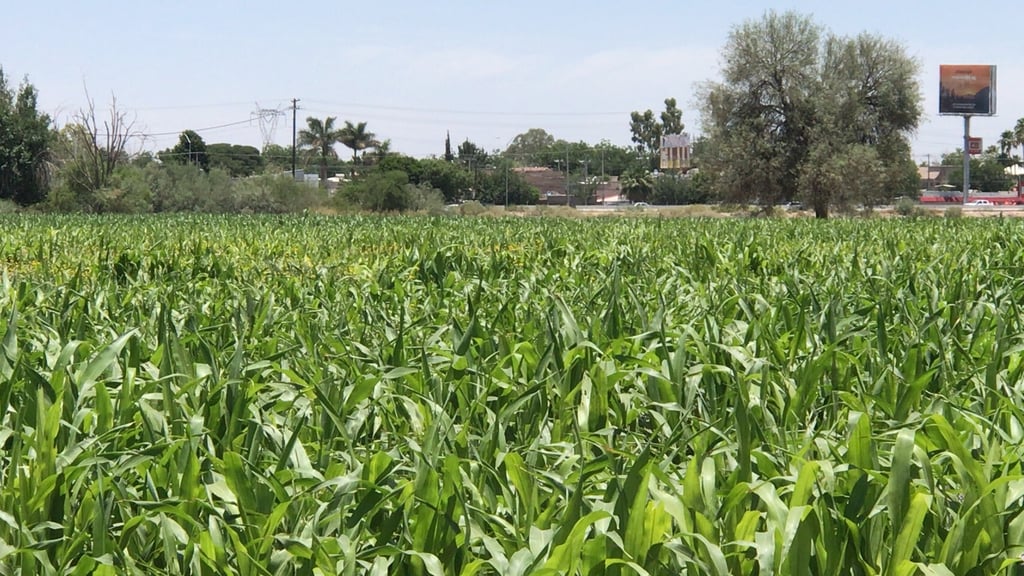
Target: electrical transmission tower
267	118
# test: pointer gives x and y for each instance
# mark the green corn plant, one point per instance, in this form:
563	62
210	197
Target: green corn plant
259	395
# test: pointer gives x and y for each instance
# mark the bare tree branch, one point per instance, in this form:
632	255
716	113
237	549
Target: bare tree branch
94	147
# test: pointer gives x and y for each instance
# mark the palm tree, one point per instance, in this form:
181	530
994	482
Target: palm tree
381	151
320	137
637	185
1007	140
1018	135
356	137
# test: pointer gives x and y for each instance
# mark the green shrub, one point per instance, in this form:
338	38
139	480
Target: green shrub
906	207
377	192
472	208
273	194
129	192
425	198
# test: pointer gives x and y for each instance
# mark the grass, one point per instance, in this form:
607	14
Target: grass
347	395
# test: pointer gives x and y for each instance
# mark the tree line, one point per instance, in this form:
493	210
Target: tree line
800	113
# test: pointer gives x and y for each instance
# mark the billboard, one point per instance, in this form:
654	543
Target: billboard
675	152
967	89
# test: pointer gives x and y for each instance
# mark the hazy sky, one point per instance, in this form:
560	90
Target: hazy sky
483	70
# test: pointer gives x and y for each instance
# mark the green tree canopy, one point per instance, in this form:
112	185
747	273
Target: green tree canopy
236	160
987	172
453	181
796	100
503	185
276	158
647	129
472	155
380	191
531	147
190	149
25	140
401	162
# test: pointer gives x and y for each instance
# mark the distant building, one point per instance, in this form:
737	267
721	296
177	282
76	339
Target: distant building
932	176
675	152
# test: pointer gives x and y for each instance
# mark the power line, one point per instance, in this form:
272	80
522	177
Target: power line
205	129
176	132
295	108
467	112
189	106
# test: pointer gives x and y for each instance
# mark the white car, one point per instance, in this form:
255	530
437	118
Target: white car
641	205
980	203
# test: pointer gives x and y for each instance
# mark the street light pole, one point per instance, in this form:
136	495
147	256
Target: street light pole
967	157
506	185
189	140
586	183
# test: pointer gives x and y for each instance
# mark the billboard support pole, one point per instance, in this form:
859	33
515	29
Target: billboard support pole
967	156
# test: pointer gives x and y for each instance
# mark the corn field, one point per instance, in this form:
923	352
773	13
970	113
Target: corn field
364	395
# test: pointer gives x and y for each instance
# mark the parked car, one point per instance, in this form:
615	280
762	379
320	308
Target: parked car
980	203
641	205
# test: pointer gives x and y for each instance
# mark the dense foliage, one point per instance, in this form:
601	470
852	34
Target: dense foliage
25	141
284	395
801	112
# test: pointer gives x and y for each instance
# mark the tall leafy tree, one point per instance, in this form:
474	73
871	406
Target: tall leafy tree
190	149
795	105
25	141
403	163
319	137
1018	135
647	129
453	182
503	184
531	147
471	155
671	118
276	158
236	160
356	138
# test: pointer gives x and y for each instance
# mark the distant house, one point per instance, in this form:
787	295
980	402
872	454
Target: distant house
932	176
542	178
554	188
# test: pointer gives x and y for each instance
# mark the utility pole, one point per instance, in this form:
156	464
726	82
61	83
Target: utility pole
295	107
189	140
567	171
586	181
967	157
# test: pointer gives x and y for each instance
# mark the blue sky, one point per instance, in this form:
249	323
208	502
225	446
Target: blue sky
483	70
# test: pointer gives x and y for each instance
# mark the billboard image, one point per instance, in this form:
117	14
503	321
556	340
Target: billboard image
968	89
675	152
